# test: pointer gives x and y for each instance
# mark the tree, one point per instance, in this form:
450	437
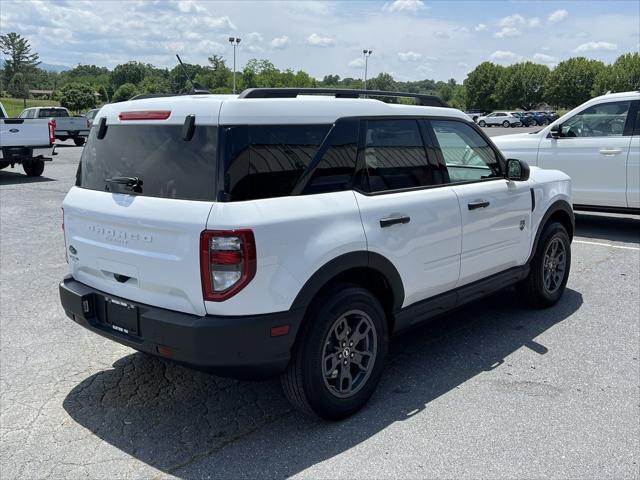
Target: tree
621	76
77	97
104	96
459	99
18	87
522	85
572	81
124	92
480	85
21	60
154	85
130	72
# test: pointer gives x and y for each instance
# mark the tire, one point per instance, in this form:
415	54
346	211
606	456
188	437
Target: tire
506	124
33	168
332	396
78	141
482	123
535	288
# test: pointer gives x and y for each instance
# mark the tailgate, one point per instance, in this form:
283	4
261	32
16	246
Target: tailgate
24	133
145	249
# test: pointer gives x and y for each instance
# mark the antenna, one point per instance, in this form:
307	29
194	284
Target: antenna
195	88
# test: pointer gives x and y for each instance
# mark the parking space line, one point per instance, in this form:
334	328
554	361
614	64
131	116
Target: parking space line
606	245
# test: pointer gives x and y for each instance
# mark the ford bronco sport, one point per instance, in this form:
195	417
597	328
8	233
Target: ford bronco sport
276	232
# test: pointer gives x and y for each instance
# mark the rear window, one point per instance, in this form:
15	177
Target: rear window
166	165
264	161
52	112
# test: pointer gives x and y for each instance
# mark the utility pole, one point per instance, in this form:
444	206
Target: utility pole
367	54
234	41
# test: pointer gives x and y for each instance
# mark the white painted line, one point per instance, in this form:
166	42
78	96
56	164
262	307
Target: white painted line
606	245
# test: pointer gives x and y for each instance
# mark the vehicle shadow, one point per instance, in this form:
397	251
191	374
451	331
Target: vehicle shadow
614	228
176	419
11	178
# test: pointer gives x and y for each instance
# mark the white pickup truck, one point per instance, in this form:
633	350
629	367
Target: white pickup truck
67	126
26	142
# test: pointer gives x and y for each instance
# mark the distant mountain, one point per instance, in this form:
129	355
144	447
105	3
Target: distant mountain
49	67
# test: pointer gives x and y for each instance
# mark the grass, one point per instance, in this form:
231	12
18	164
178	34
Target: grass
14	106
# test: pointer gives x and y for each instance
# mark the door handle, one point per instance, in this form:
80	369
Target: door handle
476	205
610	151
388	221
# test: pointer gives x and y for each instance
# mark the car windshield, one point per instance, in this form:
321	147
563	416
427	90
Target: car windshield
52	112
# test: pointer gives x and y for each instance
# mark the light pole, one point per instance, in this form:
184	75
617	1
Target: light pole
234	41
367	54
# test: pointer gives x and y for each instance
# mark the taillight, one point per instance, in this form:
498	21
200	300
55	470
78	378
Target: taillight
227	262
52	132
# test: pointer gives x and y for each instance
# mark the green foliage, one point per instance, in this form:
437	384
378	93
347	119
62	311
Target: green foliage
621	76
104	95
130	72
124	92
179	82
572	81
154	85
14	106
481	85
522	85
19	66
77	97
18	86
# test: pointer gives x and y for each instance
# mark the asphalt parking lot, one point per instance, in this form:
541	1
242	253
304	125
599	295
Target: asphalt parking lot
492	391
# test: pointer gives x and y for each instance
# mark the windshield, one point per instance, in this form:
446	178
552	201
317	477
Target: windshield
52	112
157	157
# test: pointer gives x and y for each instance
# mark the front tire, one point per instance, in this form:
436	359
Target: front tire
506	124
33	168
550	267
78	141
338	358
482	123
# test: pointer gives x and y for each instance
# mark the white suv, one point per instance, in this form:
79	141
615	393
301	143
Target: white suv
504	119
272	233
597	144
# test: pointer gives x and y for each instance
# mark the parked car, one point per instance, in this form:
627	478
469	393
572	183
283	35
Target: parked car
551	116
90	115
475	114
273	234
26	142
597	144
540	118
504	119
67	127
525	119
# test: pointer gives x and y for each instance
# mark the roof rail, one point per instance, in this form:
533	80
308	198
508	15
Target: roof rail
160	95
424	100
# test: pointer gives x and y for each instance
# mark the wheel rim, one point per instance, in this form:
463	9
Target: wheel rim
554	267
350	350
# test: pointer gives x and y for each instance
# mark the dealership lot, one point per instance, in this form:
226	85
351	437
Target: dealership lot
493	390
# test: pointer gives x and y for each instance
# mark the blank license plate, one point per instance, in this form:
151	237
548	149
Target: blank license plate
122	316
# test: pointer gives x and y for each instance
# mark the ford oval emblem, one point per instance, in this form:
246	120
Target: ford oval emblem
72	250
14	130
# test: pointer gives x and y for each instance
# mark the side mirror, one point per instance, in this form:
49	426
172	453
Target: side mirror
517	170
556	130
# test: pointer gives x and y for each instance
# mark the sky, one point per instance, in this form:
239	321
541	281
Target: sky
411	39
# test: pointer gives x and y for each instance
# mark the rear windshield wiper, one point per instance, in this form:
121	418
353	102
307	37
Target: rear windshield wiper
133	183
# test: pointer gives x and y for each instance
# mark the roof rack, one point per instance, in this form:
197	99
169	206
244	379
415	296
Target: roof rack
423	100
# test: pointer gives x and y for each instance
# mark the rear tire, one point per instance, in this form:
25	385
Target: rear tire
33	168
78	141
482	123
550	267
506	124
338	358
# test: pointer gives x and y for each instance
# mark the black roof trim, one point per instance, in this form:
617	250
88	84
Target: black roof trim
423	100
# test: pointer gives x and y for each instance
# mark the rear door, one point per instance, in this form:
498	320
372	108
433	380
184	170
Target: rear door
496	213
408	217
593	151
633	164
142	198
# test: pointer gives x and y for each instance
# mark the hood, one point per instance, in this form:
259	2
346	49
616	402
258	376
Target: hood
515	137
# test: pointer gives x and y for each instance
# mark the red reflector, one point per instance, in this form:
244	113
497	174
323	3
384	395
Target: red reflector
145	115
226	258
279	331
165	351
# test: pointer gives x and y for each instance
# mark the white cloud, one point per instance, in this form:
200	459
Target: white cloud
534	22
316	40
544	58
219	23
404	6
512	20
356	63
504	55
280	42
507	32
255	37
441	34
558	16
481	27
409	56
595	47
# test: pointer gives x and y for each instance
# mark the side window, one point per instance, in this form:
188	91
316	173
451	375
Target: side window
265	161
467	155
604	120
394	155
31	114
23	114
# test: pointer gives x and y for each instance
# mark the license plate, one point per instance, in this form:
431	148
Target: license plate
122	316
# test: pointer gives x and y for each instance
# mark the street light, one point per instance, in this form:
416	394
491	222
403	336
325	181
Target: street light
367	54
234	41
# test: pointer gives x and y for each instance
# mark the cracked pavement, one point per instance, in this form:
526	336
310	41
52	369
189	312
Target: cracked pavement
492	390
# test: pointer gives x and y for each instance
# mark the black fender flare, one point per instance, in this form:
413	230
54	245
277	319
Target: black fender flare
348	261
558	205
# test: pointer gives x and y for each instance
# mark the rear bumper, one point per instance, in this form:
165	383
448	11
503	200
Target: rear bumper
233	346
71	133
19	154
